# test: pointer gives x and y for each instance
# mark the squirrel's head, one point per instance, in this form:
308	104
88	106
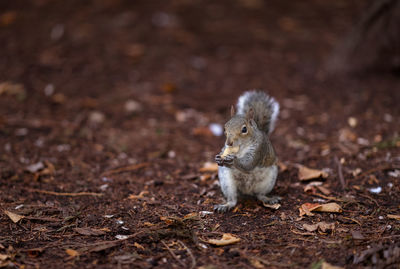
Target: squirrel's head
240	128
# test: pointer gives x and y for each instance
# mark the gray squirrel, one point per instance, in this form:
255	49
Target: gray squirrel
247	164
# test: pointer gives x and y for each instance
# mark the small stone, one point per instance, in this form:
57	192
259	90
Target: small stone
171	154
375	190
21	132
57	32
103	187
132	106
352	122
387	117
49	90
96	117
33	168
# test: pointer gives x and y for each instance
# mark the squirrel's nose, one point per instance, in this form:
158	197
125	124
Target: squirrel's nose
229	143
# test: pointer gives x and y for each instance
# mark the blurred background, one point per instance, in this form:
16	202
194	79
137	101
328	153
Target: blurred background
132	66
127	99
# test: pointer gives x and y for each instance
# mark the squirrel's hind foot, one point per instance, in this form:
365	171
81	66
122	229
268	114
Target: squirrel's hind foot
223	208
269	200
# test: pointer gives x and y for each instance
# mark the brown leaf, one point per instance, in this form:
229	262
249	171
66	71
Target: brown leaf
305	209
310	227
322	226
306	173
202	131
3	257
14	217
139	196
72	252
396	217
329	207
137	245
324	190
15	89
89	231
256	263
227	239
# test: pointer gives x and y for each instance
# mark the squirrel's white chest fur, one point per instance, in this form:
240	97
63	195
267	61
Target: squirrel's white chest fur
260	181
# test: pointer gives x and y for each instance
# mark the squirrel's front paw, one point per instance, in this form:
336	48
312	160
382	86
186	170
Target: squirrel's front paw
219	160
229	160
222	208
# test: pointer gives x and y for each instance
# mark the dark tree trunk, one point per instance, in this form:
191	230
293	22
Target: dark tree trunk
374	43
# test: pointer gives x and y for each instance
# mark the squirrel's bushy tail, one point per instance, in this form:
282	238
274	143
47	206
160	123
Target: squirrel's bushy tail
266	109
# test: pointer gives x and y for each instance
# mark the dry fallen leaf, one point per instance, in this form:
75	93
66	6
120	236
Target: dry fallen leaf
324	190
305	209
15	89
202	131
273	206
140	195
396	217
326	265
137	245
14	217
329	207
323	226
3	257
72	252
227	239
209	167
256	263
306	173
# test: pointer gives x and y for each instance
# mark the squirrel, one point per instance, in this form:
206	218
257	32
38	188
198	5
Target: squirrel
247	164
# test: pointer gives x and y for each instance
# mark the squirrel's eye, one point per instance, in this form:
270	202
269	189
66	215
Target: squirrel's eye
244	130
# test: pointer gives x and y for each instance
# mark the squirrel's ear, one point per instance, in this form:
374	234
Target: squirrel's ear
250	114
232	111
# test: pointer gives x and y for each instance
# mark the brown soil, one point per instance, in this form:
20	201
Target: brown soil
69	69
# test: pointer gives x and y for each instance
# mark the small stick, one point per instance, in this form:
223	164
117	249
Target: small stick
173	254
190	254
340	173
66	193
128	168
372	199
376	169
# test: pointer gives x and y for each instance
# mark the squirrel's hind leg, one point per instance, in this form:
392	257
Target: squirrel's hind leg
228	187
269	199
267	178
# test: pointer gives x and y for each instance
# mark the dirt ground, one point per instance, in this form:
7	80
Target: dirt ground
105	109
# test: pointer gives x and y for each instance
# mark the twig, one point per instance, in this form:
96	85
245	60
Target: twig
340	173
190	254
128	168
354	220
173	254
331	197
67	193
370	198
376	169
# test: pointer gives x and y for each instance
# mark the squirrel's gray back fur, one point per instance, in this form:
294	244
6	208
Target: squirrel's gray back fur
266	109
